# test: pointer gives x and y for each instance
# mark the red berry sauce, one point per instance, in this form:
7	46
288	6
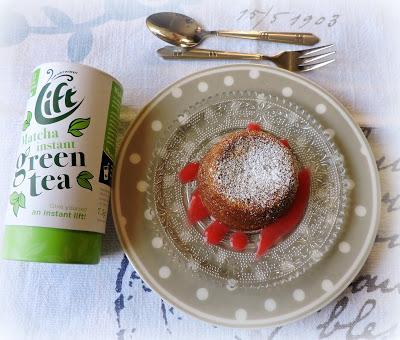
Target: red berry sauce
253	127
197	211
215	232
285	143
285	224
239	240
189	173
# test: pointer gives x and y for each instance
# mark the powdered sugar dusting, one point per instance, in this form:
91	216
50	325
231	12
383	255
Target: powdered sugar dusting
255	170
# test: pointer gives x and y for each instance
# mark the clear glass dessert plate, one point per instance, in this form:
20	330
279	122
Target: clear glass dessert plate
187	140
304	271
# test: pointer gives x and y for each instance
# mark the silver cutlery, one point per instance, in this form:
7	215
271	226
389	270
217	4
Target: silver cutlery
181	30
295	61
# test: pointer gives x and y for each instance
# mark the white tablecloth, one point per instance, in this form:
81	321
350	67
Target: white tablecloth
109	300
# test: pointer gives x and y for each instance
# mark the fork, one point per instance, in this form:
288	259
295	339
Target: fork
295	61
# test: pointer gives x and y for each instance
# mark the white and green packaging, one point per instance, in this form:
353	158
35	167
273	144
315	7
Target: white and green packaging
61	183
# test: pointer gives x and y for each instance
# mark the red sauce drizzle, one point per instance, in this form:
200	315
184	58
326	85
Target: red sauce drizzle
189	173
215	232
285	224
285	143
239	240
197	211
253	127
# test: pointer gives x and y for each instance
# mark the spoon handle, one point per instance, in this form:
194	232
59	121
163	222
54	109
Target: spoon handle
280	37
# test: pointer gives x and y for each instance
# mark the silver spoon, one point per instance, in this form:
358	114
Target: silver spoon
181	30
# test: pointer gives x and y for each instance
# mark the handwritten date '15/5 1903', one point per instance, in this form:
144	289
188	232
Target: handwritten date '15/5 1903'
297	20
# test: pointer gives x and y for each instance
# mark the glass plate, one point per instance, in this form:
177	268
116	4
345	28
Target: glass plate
190	136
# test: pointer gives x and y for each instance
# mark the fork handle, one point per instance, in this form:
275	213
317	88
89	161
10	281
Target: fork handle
172	52
280	37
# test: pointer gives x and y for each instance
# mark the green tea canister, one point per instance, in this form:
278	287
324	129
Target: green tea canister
60	188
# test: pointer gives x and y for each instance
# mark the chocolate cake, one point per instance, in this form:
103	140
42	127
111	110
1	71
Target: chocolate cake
248	179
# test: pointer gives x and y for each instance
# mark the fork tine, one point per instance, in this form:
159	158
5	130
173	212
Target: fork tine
305	53
315	66
309	60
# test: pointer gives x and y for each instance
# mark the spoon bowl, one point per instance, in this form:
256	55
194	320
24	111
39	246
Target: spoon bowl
176	29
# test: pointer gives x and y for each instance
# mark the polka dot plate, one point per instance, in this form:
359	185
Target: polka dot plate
304	272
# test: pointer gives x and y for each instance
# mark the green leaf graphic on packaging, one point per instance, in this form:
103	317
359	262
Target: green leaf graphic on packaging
17	200
77	125
14	197
83	179
21	200
27	121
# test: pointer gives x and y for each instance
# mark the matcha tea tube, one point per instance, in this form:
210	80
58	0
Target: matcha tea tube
60	188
